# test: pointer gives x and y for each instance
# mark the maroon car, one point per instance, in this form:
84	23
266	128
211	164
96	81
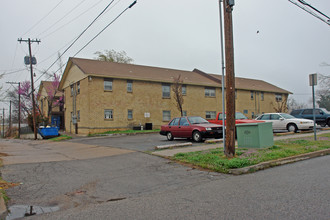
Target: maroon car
194	127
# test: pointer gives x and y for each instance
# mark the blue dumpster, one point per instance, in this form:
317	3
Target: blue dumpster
48	132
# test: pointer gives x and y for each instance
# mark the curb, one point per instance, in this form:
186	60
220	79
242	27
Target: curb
173	146
273	163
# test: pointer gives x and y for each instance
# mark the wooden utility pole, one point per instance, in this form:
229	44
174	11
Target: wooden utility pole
32	85
230	79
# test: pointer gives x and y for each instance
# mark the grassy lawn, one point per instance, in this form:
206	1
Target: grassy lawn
124	132
215	159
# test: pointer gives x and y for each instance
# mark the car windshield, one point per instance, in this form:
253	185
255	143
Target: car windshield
325	111
287	116
197	120
239	115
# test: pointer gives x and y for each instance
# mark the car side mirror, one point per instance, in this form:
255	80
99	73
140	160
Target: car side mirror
281	119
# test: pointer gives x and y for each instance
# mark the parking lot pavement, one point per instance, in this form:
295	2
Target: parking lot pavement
172	152
31	151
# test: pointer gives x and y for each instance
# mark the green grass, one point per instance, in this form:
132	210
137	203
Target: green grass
123	132
61	138
215	159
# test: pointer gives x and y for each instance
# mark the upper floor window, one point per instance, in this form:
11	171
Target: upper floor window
262	95
209	92
278	97
108	84
252	95
184	90
129	86
166	90
72	89
78	87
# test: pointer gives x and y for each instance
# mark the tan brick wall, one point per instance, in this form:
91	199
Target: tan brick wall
145	98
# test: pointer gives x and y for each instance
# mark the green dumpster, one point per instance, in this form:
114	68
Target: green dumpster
255	135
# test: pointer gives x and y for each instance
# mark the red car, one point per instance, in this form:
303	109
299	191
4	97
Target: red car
239	119
194	127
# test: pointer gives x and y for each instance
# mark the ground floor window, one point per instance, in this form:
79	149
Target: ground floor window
108	114
166	115
130	114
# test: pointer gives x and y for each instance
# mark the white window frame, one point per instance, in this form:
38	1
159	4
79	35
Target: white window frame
210	115
166	115
108	84
129	86
209	92
129	114
166	94
108	114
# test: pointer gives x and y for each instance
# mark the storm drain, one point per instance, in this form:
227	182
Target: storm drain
20	211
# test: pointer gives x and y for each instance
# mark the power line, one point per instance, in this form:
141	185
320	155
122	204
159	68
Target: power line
78	37
106	27
43	17
72	20
69	12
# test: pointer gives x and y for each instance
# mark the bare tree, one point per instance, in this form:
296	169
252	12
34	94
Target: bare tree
323	94
293	104
113	56
177	90
280	106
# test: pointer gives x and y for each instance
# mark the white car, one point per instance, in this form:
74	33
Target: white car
283	121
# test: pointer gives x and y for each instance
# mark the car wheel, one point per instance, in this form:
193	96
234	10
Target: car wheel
169	136
328	122
196	136
292	128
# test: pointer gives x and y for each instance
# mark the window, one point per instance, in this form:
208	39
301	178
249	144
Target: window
71	87
209	92
184	113
278	97
252	95
262	96
78	87
265	117
129	114
184	122
175	122
108	114
245	111
108	84
210	115
78	115
166	115
252	114
275	117
308	112
129	86
166	89
184	90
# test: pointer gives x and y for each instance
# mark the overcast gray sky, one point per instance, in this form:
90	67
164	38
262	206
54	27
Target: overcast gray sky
178	34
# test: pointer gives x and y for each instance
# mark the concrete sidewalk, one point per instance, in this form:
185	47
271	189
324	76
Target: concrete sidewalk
172	152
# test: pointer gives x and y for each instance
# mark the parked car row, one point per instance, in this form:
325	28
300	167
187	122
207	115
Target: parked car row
197	128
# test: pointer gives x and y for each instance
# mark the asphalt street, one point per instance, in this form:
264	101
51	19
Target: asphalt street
135	185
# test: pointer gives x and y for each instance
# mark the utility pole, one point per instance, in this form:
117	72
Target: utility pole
19	106
3	123
32	86
230	79
9	118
